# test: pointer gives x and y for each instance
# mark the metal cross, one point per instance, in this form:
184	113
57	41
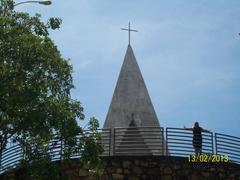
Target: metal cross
129	29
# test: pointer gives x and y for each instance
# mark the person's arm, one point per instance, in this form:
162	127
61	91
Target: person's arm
187	128
205	130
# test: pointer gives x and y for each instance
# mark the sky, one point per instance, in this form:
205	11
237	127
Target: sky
188	52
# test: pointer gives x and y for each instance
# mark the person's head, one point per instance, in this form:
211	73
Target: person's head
196	124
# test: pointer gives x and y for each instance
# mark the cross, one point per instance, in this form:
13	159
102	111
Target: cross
129	29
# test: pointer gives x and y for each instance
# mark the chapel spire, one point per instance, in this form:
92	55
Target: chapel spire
130	98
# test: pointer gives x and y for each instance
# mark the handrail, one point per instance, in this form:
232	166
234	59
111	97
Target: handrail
135	141
177	136
228	145
138	141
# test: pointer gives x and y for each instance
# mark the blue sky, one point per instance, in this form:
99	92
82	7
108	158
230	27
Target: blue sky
188	52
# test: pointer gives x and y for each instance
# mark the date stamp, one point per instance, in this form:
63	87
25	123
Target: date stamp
214	158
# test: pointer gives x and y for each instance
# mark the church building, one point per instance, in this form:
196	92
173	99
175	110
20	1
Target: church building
131	108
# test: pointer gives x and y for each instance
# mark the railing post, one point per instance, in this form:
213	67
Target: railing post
162	134
61	148
166	142
0	161
109	146
216	143
212	143
24	151
112	141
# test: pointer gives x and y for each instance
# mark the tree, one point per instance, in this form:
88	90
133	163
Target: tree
35	85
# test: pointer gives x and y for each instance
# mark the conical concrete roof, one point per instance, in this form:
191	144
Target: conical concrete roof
130	99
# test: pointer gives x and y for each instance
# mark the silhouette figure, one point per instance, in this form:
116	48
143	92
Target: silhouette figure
197	137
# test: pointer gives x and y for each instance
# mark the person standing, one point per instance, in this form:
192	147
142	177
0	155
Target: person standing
197	137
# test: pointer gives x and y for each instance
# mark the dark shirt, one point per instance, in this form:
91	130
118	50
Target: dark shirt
197	131
197	137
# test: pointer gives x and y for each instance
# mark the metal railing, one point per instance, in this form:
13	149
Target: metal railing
11	157
14	154
227	145
179	142
138	141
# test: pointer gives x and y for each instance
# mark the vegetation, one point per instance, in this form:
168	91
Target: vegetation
35	100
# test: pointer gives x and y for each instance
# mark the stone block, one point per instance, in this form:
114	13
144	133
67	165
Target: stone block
133	178
206	174
221	175
136	162
167	171
118	176
196	176
115	164
126	171
83	172
126	164
137	170
119	170
167	177
144	164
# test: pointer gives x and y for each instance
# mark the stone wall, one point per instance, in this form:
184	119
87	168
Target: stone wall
166	168
156	168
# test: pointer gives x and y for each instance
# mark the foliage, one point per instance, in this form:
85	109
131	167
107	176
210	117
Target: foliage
92	148
35	85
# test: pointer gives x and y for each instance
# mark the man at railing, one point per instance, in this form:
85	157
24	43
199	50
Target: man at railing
197	137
